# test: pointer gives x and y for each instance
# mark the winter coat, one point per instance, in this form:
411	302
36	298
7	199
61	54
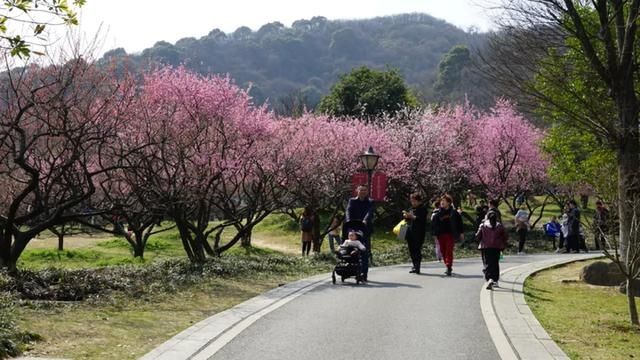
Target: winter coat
491	238
446	222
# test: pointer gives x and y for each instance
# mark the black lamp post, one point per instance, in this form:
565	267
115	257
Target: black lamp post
369	160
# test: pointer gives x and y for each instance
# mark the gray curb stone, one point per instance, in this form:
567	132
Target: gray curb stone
515	331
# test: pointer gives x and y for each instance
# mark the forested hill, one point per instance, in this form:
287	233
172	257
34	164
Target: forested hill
304	60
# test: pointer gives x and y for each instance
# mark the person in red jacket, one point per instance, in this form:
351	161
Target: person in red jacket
493	239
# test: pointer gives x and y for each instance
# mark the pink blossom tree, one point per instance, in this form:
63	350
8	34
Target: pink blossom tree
504	155
201	131
434	144
57	126
326	152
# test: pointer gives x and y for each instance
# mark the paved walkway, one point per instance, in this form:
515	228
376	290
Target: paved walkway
402	316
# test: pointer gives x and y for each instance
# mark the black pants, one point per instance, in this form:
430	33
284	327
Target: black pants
562	241
415	250
522	237
306	247
571	243
491	262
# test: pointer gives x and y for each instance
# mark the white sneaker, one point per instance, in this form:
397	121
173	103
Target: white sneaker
521	253
489	285
495	284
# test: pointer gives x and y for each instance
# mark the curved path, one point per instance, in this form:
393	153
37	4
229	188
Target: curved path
396	315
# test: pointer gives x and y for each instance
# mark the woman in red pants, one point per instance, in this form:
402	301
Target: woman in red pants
446	229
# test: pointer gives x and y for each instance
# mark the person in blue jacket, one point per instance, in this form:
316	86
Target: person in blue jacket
552	230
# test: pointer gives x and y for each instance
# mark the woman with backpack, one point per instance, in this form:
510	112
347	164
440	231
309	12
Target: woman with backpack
306	227
492	238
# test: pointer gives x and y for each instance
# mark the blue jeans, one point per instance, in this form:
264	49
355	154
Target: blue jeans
333	238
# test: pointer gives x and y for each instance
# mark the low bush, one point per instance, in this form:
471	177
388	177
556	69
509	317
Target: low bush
80	284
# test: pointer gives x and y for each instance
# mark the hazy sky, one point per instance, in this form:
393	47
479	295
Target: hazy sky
138	24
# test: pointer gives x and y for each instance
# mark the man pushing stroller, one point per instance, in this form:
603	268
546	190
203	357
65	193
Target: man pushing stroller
360	210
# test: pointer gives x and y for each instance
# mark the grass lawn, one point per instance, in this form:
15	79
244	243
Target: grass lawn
588	322
126	328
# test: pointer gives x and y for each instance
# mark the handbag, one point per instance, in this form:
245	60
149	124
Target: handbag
401	230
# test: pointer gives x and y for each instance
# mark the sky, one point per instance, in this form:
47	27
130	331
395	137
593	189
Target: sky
138	24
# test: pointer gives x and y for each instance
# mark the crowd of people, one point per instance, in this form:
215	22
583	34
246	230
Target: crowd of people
447	227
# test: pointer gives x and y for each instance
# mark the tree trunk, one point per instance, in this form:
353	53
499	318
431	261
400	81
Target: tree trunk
5	247
18	247
245	241
633	310
61	241
138	249
628	187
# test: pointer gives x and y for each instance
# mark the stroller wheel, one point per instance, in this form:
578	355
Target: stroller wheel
358	281
333	277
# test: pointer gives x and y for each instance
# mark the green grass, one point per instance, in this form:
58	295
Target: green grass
588	322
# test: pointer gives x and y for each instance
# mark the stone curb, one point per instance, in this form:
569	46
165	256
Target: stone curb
515	331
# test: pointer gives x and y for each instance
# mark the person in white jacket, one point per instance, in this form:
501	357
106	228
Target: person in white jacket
353	240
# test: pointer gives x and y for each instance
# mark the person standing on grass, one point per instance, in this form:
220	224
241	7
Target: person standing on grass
334	233
417	220
446	228
481	212
573	227
361	208
564	229
522	227
493	206
306	228
492	239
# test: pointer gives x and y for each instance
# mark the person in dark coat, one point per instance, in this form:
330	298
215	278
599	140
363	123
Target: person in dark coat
361	208
573	224
492	238
417	220
446	228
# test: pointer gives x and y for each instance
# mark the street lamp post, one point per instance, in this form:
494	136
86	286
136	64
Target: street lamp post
369	161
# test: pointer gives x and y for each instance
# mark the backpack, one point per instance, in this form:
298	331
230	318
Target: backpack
306	224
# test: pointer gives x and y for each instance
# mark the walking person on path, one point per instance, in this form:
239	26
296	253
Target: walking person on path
306	228
522	227
446	228
361	208
434	213
492	239
417	219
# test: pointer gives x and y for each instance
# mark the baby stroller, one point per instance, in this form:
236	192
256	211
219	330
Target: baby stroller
349	260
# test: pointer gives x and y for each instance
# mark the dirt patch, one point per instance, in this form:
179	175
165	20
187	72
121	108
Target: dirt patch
70	242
